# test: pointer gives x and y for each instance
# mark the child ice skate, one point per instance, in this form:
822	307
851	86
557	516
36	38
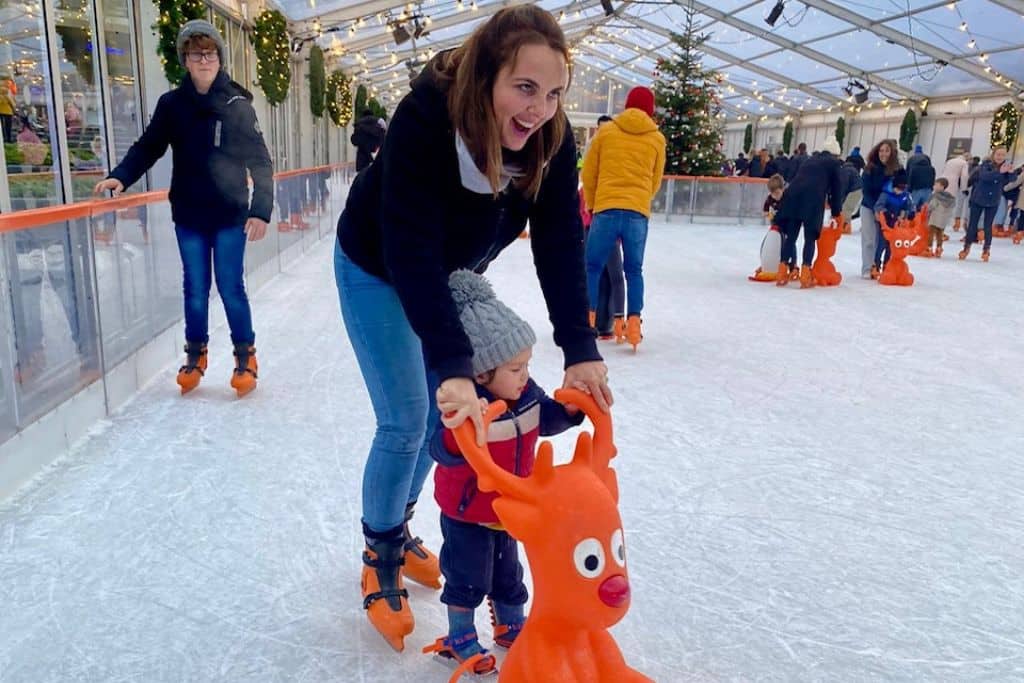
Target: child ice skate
894	203
940	212
478	558
771	245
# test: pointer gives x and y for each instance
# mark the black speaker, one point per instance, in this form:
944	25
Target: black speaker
608	9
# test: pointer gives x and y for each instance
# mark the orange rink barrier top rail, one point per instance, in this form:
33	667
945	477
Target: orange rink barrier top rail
37	218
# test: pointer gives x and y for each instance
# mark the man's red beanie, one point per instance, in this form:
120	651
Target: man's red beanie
641	98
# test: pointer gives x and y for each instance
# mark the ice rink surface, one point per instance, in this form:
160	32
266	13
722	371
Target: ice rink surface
820	485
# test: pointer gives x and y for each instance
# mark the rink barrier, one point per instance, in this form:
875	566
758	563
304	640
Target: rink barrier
709	199
93	306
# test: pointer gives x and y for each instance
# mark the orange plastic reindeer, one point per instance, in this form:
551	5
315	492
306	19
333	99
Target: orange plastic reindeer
568	521
824	272
903	240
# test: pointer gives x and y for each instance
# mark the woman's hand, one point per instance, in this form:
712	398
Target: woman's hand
112	184
457	400
255	228
591	377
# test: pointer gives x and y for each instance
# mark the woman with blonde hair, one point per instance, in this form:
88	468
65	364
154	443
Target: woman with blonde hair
986	183
479	146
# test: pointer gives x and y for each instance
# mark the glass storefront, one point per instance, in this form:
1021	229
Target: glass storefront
26	108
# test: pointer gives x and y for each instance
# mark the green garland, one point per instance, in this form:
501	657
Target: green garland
787	137
908	131
173	15
273	71
361	96
339	98
317	81
1005	126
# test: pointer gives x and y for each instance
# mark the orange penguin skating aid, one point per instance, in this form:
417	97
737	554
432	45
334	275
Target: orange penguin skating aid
568	521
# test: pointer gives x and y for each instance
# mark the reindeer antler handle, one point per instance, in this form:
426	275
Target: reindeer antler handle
490	477
604	444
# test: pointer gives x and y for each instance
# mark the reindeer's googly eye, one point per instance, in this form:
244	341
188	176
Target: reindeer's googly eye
899	244
589	558
618	547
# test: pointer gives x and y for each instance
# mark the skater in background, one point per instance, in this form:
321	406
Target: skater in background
941	206
1015	185
771	245
803	206
479	559
611	290
894	203
920	177
622	172
856	159
210	124
852	190
986	183
367	136
882	165
487	119
1011	197
956	174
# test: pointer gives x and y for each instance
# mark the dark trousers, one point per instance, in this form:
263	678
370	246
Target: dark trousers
611	292
226	248
790	228
477	562
972	225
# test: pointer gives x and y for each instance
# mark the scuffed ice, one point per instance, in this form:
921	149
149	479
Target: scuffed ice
816	485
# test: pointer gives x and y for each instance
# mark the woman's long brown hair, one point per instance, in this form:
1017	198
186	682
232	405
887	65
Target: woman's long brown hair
892	165
470	70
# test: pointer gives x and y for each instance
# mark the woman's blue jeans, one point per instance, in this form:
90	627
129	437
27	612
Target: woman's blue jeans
226	247
606	228
390	358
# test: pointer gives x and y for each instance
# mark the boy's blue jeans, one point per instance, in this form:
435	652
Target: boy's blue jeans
390	358
605	229
226	246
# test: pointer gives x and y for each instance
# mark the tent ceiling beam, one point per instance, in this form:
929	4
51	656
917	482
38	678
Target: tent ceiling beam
898	38
738	88
756	31
825	97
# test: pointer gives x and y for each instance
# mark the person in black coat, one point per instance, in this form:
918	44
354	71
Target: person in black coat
742	165
367	136
211	127
479	145
986	183
803	205
920	177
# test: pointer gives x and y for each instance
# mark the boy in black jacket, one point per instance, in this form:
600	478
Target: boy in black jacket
211	127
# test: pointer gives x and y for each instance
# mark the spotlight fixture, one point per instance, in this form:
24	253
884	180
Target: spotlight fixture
400	34
608	9
861	96
776	12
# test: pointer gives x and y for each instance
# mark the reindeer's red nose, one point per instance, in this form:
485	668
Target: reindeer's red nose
614	591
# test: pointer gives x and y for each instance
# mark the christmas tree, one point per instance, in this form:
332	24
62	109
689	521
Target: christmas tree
687	98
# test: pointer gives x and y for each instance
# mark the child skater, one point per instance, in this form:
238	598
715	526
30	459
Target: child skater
478	558
771	245
894	203
940	213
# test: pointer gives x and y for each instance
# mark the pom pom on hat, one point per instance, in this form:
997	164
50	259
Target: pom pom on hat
641	98
495	332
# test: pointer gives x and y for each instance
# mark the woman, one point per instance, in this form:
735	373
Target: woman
479	145
986	183
881	166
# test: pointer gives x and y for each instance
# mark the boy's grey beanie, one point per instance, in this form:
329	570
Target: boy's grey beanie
496	333
199	27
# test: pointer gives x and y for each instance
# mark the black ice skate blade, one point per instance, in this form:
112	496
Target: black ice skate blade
452	664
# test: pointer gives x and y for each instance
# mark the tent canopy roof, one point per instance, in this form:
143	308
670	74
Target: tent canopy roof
899	50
